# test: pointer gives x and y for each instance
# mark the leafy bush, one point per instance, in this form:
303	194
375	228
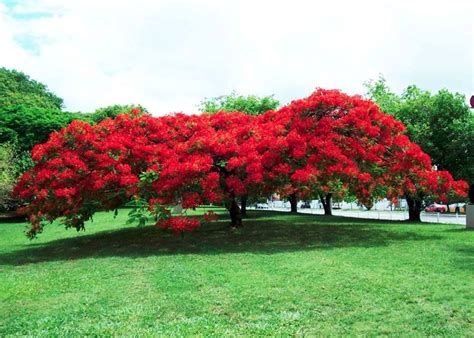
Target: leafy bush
7	176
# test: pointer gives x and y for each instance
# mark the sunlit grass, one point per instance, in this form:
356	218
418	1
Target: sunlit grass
281	274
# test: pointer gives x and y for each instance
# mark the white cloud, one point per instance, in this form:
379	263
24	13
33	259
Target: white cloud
168	55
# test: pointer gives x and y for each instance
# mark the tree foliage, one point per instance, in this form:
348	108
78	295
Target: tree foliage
329	142
18	89
252	105
7	175
442	124
112	111
12	164
29	112
27	126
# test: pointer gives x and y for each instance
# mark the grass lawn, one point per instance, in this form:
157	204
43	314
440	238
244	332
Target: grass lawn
281	274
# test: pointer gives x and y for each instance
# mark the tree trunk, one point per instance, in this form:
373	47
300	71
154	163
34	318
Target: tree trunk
326	200
414	209
293	203
243	205
235	214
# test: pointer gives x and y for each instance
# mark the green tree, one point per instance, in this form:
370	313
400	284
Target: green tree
27	126
441	124
252	105
29	112
112	111
18	89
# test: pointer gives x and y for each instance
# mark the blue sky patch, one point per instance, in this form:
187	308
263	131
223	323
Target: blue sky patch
12	4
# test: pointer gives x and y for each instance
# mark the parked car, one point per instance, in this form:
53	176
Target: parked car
435	207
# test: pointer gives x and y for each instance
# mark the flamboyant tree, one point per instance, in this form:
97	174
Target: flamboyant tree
251	105
157	162
332	143
328	143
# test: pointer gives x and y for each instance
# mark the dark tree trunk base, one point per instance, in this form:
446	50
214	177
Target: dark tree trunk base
414	209
243	205
235	214
293	203
326	200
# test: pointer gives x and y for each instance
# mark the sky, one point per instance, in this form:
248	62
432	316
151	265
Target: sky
170	55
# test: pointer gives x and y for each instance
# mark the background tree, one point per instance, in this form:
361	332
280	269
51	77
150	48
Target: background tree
7	175
251	105
18	89
441	124
112	112
27	126
30	112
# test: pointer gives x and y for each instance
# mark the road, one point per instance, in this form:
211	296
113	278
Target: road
386	215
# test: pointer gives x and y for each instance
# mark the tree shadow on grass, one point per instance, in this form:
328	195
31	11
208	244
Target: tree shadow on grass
463	229
467	260
296	233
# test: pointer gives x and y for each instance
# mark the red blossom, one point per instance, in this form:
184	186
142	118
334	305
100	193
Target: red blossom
179	224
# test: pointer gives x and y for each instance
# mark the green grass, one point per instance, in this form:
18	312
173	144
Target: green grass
281	274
